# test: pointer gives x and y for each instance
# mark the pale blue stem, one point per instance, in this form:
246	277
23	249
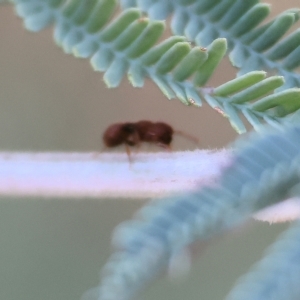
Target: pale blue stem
111	175
108	175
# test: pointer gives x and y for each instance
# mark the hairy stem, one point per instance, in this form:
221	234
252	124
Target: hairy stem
107	175
112	175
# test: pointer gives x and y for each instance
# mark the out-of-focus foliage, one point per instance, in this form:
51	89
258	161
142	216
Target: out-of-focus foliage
262	173
265	169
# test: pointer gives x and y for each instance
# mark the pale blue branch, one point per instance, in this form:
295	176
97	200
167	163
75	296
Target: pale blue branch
108	175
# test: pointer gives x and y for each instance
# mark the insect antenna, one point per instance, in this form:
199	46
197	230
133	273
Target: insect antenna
187	136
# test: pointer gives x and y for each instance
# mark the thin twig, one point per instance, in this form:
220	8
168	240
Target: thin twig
112	175
107	175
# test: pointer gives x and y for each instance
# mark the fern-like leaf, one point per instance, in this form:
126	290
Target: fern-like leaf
128	44
145	246
252	95
277	275
37	14
252	46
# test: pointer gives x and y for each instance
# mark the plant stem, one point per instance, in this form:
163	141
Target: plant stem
112	175
107	175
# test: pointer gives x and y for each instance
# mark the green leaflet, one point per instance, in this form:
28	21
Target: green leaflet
285	46
258	90
115	72
147	39
193	96
235	12
218	12
232	114
164	87
239	22
153	55
88	46
80	11
131	33
250	19
204	6
292	61
100	14
252	95
116	27
288	99
279	27
239	83
136	75
253	119
102	59
172	57
128	45
180	93
190	63
216	51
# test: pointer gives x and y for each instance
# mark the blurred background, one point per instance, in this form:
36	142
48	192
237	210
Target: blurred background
53	249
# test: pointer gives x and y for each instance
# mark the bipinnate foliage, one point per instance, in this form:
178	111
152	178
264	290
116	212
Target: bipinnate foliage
252	46
277	274
263	172
131	43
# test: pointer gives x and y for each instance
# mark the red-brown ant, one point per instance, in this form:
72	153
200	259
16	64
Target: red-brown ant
133	134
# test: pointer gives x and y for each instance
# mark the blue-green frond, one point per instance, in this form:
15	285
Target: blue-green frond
252	95
37	15
130	44
252	46
144	246
126	45
277	275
